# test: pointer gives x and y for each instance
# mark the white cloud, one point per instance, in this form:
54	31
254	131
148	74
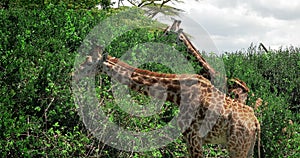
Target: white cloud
281	9
235	24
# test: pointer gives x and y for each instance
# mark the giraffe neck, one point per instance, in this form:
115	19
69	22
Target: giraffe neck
175	88
193	93
170	87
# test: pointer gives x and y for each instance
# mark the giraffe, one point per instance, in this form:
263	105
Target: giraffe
209	71
173	28
238	88
207	115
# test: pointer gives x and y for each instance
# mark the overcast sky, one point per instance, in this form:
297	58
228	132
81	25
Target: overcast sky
233	24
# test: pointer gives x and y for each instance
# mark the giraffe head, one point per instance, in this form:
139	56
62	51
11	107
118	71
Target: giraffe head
92	64
239	90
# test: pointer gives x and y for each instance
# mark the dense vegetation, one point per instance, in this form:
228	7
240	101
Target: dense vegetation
39	117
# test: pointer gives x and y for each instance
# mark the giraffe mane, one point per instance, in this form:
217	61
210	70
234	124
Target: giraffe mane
117	62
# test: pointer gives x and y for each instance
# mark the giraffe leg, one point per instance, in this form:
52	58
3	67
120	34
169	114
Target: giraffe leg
251	149
240	143
194	143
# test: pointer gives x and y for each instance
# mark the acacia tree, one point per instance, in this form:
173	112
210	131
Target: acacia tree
153	7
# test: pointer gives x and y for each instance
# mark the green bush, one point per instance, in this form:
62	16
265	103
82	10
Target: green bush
41	4
272	78
37	54
38	115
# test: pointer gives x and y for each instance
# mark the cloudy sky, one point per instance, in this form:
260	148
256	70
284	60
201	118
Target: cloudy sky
234	24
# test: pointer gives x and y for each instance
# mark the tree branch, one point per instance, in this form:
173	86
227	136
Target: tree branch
119	3
141	4
164	2
131	2
149	3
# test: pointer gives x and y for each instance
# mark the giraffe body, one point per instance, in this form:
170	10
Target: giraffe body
207	116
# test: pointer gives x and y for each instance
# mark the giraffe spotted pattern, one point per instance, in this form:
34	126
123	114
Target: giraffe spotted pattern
207	116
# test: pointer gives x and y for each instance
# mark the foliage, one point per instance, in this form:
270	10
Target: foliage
39	118
37	54
153	7
105	4
36	4
276	81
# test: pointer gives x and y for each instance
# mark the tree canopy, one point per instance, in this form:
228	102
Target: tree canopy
38	4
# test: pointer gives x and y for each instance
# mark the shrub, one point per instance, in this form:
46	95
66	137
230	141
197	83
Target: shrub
39	118
37	54
271	78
